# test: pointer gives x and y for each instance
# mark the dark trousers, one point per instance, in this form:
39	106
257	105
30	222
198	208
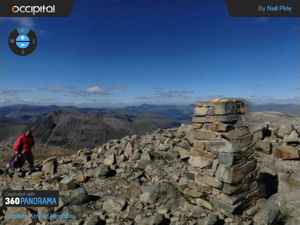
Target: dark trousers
29	158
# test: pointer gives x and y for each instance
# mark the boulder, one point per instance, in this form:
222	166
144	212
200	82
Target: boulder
49	168
264	146
79	196
285	129
114	205
78	175
184	154
68	183
203	203
128	150
292	138
267	213
110	160
101	171
200	162
150	193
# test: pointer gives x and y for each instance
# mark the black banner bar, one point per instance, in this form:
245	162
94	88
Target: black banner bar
263	8
36	8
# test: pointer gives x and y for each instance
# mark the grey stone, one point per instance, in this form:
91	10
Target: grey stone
67	183
210	181
264	146
49	168
223	108
93	220
293	138
163	147
285	129
211	219
239	197
237	133
102	171
224	146
146	157
150	193
222	119
184	154
128	150
227	159
153	220
267	213
220	127
236	173
200	111
207	135
190	176
110	160
114	205
203	203
229	189
297	128
200	162
79	196
228	207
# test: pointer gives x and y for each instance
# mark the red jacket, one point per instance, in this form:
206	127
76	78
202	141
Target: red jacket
24	144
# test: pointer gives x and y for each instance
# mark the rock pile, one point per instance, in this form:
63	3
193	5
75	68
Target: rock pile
202	173
282	141
223	168
134	180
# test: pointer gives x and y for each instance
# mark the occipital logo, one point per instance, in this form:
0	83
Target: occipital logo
34	9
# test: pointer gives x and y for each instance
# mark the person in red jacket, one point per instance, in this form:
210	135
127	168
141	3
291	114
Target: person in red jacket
23	146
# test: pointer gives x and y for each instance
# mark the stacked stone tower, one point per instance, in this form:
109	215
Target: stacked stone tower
222	167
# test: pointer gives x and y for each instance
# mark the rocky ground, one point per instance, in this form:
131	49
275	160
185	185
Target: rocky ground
41	152
142	180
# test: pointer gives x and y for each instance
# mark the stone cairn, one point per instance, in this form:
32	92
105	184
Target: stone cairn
222	168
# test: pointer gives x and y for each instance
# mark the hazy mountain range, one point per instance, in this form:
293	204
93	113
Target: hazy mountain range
75	128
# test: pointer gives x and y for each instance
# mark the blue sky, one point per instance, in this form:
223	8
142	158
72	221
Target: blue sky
132	52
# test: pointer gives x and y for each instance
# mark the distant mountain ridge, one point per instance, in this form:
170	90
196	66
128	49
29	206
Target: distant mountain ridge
179	112
74	128
26	112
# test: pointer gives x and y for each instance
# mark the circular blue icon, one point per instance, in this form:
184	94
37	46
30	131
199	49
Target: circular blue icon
22	41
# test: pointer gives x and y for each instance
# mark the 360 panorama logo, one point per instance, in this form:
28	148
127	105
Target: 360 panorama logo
29	9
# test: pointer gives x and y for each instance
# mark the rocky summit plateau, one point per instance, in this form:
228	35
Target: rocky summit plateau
227	167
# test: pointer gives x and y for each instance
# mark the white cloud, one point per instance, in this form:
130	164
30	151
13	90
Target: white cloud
96	90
